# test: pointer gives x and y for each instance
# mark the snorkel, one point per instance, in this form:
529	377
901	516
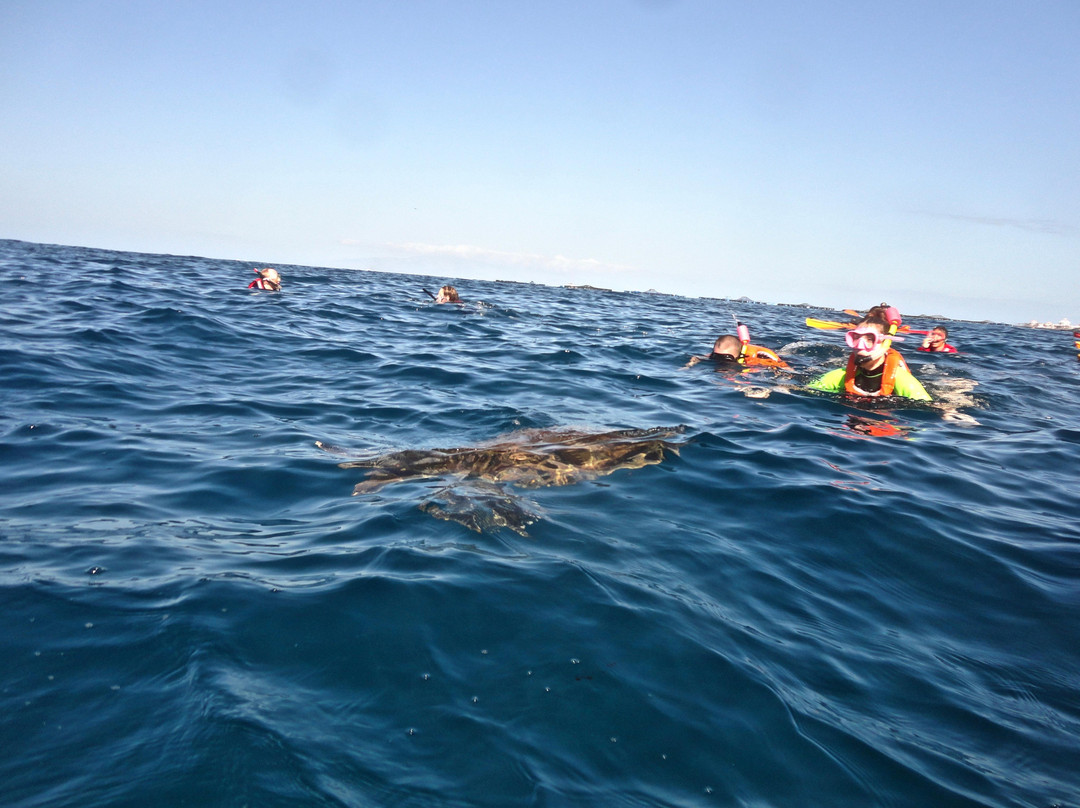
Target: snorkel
892	315
744	334
741	330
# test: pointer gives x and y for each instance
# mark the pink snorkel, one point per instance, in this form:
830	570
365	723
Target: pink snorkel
892	314
742	331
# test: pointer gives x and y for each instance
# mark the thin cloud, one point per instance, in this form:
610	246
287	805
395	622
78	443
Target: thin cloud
468	252
1048	226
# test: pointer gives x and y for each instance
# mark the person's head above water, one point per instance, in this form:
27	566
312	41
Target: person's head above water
870	340
447	294
937	341
937	337
268	279
727	347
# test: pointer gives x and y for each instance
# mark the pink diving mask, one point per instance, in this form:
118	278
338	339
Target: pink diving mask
867	338
864	338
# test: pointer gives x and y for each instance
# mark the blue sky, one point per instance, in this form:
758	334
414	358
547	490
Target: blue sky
832	153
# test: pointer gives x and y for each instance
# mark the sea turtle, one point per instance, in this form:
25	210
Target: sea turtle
482	506
481	497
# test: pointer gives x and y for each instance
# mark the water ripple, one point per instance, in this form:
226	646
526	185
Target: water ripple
809	604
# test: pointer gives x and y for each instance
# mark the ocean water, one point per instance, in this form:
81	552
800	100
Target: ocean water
808	604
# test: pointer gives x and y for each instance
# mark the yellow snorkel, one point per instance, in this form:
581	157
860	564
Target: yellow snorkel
892	314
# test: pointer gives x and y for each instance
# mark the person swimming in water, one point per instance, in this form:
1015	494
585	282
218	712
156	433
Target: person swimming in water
268	279
936	341
874	367
729	348
447	294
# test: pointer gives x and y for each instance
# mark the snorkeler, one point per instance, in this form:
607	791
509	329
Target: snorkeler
728	348
447	294
268	279
874	368
936	341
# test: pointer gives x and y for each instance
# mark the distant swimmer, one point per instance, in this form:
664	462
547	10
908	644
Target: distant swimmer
728	348
268	279
447	294
936	341
874	367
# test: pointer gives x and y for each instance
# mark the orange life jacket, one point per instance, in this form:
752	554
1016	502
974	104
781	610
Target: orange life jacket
755	355
893	362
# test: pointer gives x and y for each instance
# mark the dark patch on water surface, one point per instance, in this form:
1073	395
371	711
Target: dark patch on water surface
533	458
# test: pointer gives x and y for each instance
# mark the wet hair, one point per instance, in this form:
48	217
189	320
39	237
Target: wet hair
876	319
727	345
942	329
880	312
451	293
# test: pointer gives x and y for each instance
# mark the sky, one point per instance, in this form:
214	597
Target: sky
925	153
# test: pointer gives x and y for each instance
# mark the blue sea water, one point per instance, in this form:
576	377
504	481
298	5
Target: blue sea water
808	605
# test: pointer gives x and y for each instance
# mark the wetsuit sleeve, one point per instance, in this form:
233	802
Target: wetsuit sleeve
831	382
907	386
